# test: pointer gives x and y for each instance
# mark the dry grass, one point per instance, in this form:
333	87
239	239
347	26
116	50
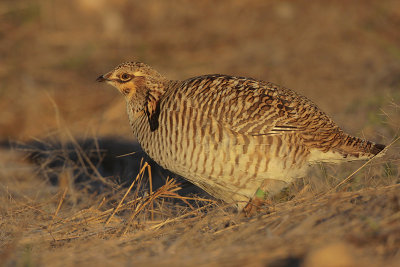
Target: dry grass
132	225
72	192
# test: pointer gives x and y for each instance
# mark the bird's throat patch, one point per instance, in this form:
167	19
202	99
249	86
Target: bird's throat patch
153	112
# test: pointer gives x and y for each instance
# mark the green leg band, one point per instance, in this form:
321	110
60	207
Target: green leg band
261	194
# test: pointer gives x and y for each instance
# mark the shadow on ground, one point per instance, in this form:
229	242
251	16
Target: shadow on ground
98	165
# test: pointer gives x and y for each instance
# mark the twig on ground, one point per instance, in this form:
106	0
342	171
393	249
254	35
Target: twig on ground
365	164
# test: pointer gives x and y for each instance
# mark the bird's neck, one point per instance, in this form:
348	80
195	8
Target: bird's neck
143	103
135	116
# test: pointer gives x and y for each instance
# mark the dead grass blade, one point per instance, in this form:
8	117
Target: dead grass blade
151	192
58	207
125	155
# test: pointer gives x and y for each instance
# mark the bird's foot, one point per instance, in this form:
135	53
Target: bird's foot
256	204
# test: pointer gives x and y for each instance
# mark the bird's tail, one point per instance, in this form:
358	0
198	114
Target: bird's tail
354	148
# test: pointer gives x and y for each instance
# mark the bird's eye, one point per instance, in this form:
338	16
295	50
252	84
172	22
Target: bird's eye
125	77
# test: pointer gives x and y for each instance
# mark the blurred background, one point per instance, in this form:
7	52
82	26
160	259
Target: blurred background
344	55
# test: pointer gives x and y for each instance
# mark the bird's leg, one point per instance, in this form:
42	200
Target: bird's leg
262	197
255	204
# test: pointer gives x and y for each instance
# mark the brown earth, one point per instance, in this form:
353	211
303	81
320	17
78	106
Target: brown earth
57	192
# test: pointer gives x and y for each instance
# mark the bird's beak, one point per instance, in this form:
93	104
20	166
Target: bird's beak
103	78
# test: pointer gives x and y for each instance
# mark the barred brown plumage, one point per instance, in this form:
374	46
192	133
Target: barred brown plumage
231	135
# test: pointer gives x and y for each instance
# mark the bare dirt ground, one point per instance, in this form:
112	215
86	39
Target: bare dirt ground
65	162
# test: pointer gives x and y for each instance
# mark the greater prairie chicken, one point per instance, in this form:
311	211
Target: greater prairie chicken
237	138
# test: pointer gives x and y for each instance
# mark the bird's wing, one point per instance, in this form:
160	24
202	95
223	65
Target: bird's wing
254	107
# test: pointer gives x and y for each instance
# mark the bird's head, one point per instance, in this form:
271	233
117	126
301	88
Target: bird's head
133	79
142	86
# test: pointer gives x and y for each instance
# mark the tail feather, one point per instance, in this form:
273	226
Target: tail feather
377	148
357	148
